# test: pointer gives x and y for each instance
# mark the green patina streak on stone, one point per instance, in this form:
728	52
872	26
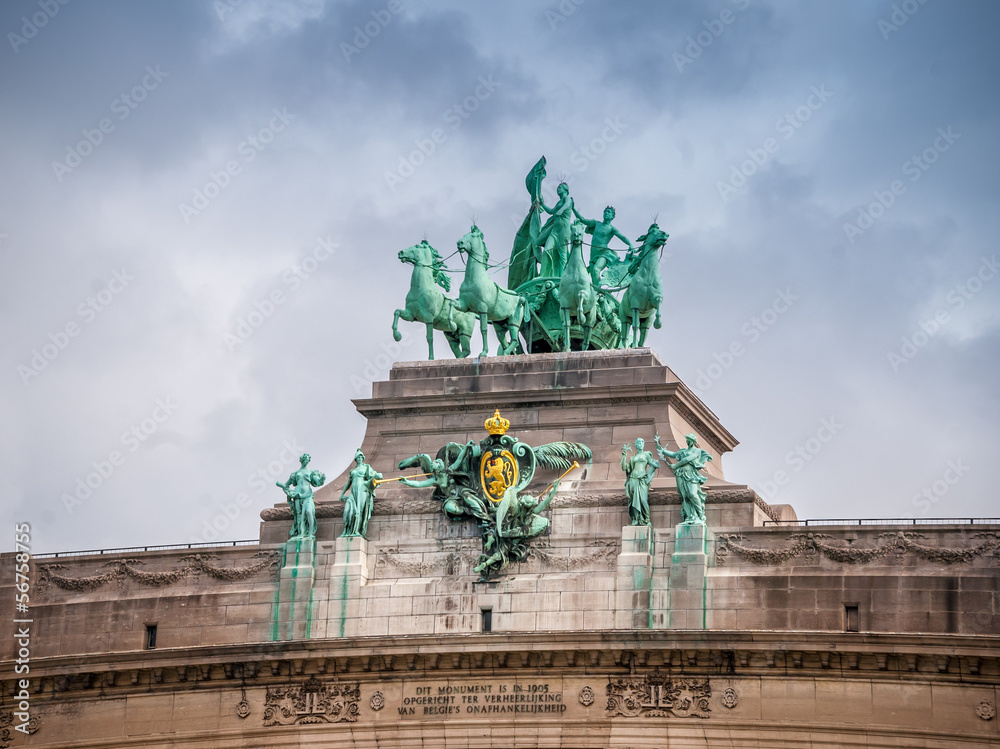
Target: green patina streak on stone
276	618
652	575
343	595
291	603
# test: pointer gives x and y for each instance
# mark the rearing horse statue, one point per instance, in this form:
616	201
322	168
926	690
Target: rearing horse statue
426	304
645	290
481	295
577	295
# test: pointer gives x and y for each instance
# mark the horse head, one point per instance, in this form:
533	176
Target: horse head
654	238
474	246
418	254
423	255
577	231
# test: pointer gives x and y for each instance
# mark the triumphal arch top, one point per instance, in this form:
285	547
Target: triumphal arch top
533	547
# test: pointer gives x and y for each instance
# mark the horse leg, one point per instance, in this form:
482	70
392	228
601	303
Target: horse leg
482	327
516	321
452	325
464	339
430	342
657	323
503	344
644	330
400	313
565	327
588	328
634	338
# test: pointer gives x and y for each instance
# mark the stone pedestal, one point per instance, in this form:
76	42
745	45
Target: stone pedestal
293	615
635	578
688	575
348	573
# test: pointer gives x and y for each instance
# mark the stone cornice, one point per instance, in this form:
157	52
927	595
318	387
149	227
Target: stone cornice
676	393
939	658
418	505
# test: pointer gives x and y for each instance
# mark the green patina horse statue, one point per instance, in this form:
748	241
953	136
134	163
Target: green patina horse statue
577	295
481	295
426	304
645	289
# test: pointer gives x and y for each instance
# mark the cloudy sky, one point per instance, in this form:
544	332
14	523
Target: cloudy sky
202	204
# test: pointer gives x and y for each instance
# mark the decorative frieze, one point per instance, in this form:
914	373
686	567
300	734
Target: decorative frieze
811	545
657	695
312	701
122	570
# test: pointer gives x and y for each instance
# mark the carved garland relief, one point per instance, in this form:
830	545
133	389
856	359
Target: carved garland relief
123	569
810	545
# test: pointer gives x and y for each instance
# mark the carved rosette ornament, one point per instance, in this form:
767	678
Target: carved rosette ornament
377	702
311	702
730	698
587	696
659	696
243	706
7	727
986	710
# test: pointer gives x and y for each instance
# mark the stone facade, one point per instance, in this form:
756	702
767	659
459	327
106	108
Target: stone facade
607	635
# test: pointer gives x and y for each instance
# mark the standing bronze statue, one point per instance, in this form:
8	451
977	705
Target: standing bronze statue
639	471
299	493
358	505
601	256
690	461
554	238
